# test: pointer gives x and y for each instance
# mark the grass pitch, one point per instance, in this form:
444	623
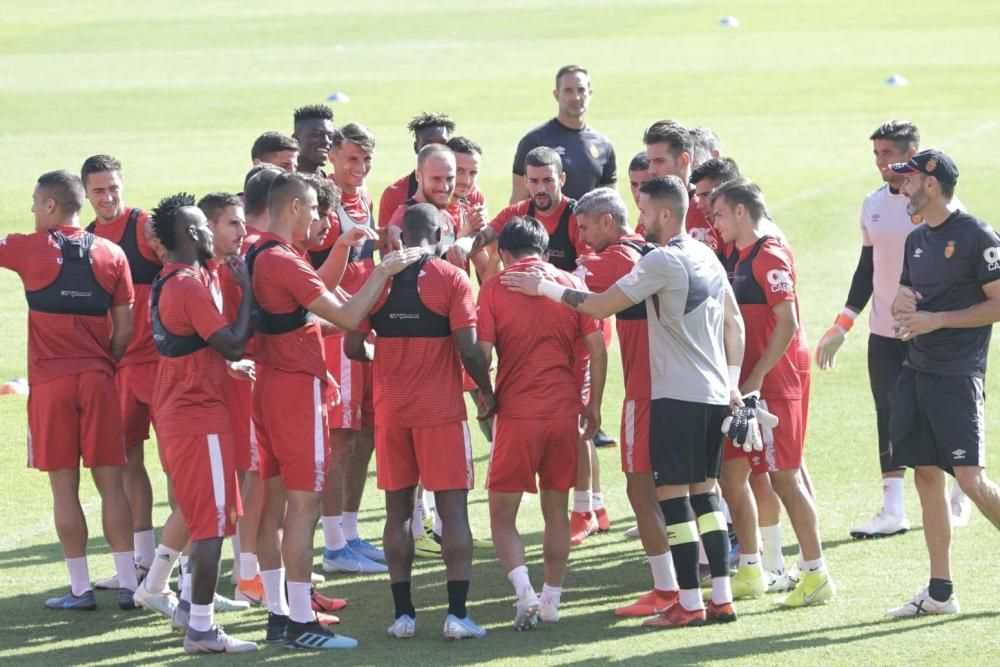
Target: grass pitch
179	91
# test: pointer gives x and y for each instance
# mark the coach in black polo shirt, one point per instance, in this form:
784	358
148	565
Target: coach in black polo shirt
949	298
588	157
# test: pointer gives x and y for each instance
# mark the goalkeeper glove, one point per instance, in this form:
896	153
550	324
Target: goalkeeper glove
826	350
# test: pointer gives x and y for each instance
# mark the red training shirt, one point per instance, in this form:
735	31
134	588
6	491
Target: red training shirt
549	220
700	228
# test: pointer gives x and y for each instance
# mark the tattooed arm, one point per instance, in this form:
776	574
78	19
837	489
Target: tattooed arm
597	305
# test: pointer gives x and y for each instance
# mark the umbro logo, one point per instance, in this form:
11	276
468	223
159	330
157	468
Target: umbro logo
917	253
958	454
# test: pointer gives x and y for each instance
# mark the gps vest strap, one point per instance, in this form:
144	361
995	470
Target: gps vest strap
404	315
143	270
562	253
347	223
171	344
635	311
75	291
745	286
274	323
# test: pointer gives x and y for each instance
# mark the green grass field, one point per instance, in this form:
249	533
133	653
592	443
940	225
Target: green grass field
179	91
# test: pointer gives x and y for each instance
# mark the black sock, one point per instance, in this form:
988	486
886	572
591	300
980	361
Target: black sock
458	592
401	598
714	535
940	589
683	536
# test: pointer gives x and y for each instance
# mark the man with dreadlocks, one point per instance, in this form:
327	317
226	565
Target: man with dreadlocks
194	341
427	128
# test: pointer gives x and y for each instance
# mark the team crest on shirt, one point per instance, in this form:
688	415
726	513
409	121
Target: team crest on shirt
949	250
594	153
916	219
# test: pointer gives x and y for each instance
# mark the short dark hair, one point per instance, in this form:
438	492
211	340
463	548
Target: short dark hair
272	142
639	162
286	187
311	111
742	191
214	203
165	217
719	169
901	132
356	133
672	133
670	190
65	188
327	193
570	69
543	156
427	119
257	187
95	164
464	145
947	190
522	236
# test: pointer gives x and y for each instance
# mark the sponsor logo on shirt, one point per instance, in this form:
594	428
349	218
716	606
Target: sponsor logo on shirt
633	276
404	316
75	294
949	250
876	217
958	454
560	149
917	253
700	234
992	258
780	281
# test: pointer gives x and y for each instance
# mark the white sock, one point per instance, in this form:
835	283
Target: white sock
721	590
234	542
437	524
702	556
79	575
417	522
957	494
185	578
333	536
300	602
583	501
201	617
249	567
597	500
430	502
691	599
159	571
274	590
144	544
770	541
724	506
519	580
810	566
664	577
551	593
892	495
349	524
125	567
749	560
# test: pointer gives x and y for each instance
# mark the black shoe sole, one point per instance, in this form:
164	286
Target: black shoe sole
876	536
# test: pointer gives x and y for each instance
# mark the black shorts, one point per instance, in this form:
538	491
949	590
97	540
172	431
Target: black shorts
685	441
937	420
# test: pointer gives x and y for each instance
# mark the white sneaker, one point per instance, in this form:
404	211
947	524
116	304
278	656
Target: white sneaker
922	604
221	603
961	507
549	610
632	533
163	602
882	524
778	581
462	628
403	627
526	612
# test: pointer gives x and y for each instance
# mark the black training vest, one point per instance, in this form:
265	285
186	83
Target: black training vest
562	253
404	315
143	270
75	291
274	323
347	223
171	344
745	286
411	185
636	311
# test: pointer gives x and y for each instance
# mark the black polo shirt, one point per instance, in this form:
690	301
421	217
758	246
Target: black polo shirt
587	155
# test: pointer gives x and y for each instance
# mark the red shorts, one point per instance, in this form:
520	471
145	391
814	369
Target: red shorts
204	482
135	396
239	400
352	379
635	436
782	445
292	428
368	400
438	456
74	417
524	448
